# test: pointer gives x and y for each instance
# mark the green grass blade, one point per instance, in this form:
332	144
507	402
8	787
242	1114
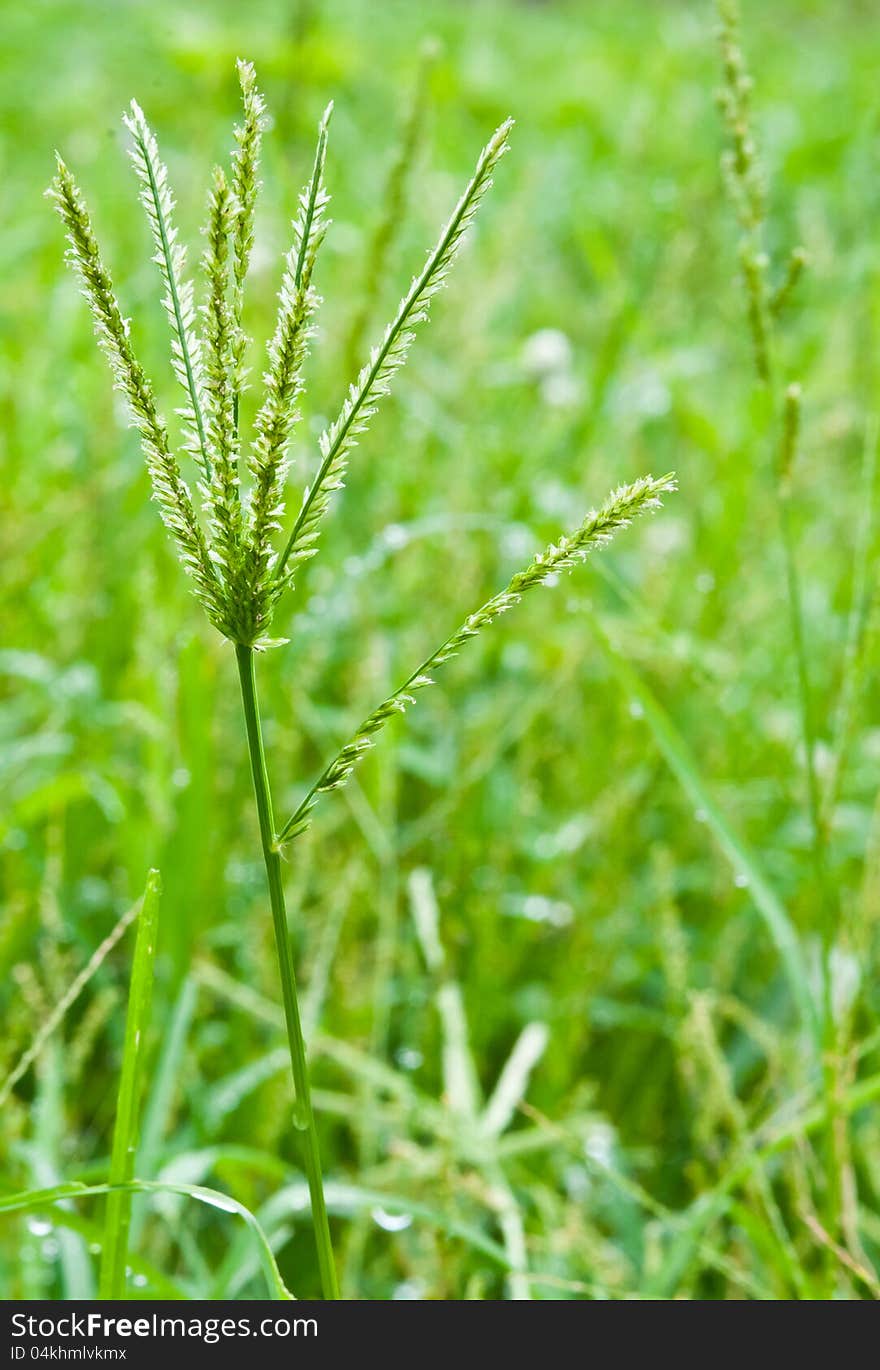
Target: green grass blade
163	1088
31	1200
111	1284
681	762
51	1122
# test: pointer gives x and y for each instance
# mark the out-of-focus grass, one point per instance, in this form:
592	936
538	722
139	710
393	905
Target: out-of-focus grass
577	884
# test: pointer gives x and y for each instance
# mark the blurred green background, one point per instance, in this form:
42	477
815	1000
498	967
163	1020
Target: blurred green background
592	330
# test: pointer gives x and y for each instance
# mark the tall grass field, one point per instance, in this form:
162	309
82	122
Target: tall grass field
557	980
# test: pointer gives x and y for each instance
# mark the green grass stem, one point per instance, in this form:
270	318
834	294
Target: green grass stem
304	1118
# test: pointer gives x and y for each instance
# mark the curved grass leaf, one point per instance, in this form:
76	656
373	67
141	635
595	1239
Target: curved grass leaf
33	1200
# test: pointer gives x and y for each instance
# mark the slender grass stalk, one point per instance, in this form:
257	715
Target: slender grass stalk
858	618
744	180
764	305
304	1117
111	1284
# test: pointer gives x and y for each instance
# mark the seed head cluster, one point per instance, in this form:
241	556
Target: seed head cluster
234	546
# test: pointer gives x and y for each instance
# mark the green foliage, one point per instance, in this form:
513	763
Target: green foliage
126	1128
609	846
248	578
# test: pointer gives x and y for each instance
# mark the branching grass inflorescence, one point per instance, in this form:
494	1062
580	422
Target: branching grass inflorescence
239	573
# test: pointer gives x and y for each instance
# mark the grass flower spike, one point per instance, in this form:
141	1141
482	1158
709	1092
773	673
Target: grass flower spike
598	528
233	542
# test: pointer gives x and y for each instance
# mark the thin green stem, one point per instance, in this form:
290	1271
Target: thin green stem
827	909
303	1114
750	201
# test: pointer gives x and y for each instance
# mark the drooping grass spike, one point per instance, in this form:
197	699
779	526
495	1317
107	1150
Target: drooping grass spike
598	528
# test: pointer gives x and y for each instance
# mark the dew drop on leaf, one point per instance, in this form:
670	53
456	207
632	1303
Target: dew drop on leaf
391	1222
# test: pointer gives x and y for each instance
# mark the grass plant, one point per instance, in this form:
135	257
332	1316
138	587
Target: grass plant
233	538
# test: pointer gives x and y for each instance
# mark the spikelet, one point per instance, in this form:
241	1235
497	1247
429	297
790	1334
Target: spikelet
375	378
597	529
222	492
744	180
740	163
170	490
170	256
283	381
245	188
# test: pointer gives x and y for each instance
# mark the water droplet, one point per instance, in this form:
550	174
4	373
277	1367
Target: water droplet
300	1116
409	1289
391	1222
635	709
700	815
39	1227
140	1281
50	1249
409	1058
741	880
218	1201
395	536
